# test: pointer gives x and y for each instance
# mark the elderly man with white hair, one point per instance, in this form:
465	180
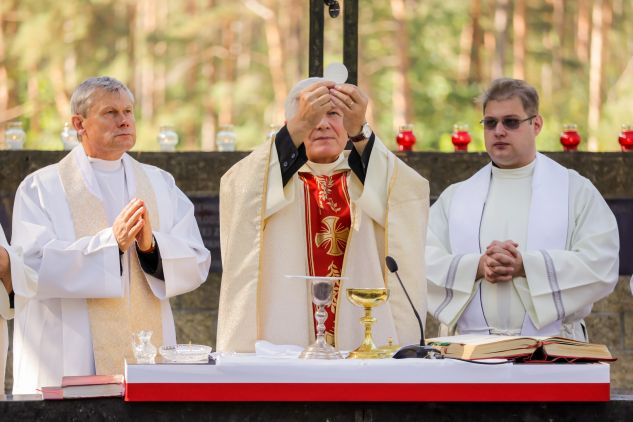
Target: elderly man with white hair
111	240
303	205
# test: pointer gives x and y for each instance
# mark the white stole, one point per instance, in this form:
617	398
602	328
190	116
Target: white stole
547	229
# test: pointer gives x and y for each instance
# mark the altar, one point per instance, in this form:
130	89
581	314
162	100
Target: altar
249	378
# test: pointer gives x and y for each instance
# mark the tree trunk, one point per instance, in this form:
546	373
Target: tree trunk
32	102
295	42
583	25
209	117
4	74
131	9
402	102
226	104
598	32
558	30
275	53
518	48
62	101
160	52
469	69
501	35
144	62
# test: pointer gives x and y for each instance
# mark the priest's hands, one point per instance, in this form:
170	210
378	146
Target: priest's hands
353	103
5	269
313	103
320	98
132	224
501	262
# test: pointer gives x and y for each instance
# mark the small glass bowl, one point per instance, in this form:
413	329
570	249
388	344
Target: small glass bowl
184	353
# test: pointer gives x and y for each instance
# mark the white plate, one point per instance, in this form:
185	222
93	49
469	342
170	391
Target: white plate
185	352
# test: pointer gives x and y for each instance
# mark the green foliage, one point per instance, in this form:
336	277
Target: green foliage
52	46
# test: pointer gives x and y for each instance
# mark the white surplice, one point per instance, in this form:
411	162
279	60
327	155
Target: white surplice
19	274
52	328
562	282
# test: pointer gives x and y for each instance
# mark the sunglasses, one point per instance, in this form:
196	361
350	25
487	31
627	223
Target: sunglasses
510	123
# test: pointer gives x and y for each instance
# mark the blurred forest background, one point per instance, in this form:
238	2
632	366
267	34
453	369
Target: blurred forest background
198	64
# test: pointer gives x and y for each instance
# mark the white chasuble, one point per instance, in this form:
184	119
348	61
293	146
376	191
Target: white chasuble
263	239
567	236
62	222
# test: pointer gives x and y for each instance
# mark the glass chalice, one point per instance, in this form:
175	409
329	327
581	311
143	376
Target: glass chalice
322	289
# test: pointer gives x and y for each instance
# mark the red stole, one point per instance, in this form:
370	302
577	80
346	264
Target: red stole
328	223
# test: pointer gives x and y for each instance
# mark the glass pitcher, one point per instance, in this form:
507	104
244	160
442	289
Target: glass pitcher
144	350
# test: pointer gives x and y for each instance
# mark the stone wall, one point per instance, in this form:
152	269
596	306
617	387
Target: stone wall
198	175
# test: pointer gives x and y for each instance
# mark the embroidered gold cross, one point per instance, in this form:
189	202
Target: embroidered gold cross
336	237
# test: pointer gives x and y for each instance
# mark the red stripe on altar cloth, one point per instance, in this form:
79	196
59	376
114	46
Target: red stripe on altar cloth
378	392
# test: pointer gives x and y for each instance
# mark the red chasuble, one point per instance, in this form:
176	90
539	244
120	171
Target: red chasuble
328	224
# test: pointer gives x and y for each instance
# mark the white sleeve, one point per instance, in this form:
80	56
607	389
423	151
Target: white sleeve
185	260
451	278
84	268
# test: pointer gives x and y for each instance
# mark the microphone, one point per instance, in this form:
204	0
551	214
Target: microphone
414	350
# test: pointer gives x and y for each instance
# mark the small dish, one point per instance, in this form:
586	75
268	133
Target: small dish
184	353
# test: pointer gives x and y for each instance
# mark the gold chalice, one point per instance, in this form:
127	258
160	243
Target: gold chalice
367	298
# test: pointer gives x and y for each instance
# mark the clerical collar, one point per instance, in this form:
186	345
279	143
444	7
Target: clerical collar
327	169
518	173
105	166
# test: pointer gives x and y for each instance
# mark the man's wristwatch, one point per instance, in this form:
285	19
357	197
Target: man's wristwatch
365	133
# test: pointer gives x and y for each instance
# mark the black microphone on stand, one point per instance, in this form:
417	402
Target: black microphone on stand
414	350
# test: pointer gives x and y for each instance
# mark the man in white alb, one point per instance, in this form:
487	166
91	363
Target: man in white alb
12	269
111	240
6	307
303	205
525	246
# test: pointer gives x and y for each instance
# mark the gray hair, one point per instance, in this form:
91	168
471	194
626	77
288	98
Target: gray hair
505	88
81	100
292	101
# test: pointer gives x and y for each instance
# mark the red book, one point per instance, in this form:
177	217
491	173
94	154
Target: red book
86	386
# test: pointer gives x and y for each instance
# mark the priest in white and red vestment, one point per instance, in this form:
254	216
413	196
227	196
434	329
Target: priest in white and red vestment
303	205
525	246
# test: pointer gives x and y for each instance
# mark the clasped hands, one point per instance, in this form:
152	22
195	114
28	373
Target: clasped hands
322	97
501	262
132	224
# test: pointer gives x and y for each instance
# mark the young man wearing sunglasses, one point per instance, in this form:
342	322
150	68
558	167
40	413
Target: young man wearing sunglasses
525	246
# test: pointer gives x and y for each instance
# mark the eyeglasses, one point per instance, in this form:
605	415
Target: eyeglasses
510	123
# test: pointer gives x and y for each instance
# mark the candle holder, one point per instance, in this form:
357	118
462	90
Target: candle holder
14	135
460	137
406	138
167	138
626	138
570	138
